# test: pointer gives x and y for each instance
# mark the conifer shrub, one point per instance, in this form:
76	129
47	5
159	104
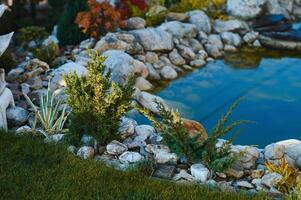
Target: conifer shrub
195	149
30	33
68	32
97	102
7	61
47	53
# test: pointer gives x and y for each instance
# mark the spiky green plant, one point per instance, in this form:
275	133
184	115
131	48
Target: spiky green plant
196	149
97	102
48	114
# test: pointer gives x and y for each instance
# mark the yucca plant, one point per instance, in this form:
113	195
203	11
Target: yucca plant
48	112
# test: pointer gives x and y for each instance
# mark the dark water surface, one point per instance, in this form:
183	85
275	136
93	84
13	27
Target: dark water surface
270	85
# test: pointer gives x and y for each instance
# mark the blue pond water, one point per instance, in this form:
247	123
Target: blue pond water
271	88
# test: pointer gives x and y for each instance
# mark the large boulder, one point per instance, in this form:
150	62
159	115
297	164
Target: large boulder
122	65
233	39
179	29
245	9
59	73
148	101
200	19
154	39
233	25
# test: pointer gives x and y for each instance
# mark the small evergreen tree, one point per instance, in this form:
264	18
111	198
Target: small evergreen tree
178	139
68	31
97	102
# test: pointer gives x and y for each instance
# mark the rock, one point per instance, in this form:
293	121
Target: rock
123	65
274	151
274	7
233	39
147	100
200	172
87	44
54	138
250	37
183	175
163	157
197	63
87	140
172	16
165	171
179	29
271	180
202	37
186	52
35	64
153	39
156	14
110	41
215	40
200	19
256	44
153	74
213	51
298	163
72	149
233	25
134	23
194	127
144	131
168	73
195	45
244	184
116	148
236	173
143	84
257	173
151	57
16	116
23	129
248	157
127	127
59	73
292	148
229	48
245	9
85	152
176	58
130	157
202	55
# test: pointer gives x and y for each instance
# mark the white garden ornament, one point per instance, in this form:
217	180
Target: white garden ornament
6	96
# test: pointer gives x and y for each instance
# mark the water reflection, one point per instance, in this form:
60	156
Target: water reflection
270	84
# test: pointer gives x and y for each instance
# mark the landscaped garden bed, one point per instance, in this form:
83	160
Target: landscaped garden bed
82	94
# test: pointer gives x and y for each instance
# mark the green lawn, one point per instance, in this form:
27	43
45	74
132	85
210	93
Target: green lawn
32	170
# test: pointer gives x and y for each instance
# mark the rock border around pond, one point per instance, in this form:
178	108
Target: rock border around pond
154	54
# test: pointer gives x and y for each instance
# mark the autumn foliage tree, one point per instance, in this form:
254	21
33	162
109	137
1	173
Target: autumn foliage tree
99	19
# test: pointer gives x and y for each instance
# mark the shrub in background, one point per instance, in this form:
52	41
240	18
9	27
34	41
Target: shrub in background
30	33
132	8
7	61
187	5
99	19
47	53
97	102
68	31
196	149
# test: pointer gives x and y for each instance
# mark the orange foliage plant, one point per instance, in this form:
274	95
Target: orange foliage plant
99	19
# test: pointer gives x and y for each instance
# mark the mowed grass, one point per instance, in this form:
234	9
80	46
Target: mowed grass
30	169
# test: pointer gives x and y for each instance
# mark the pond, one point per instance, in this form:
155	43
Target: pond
269	84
